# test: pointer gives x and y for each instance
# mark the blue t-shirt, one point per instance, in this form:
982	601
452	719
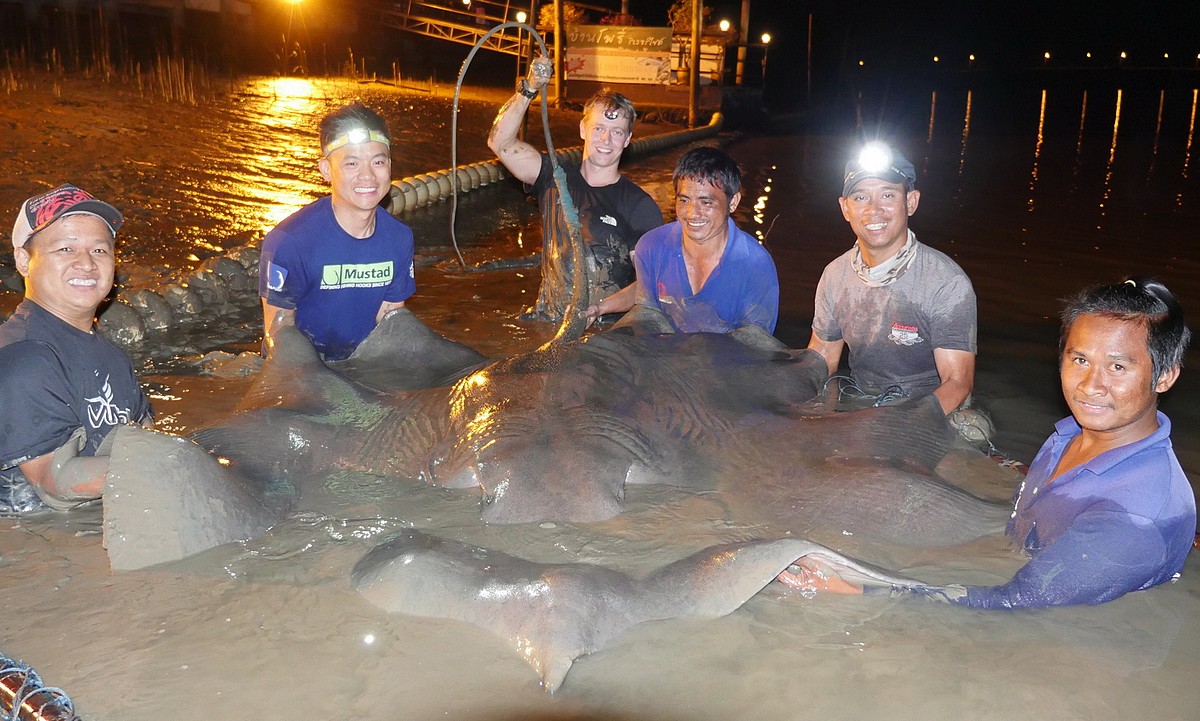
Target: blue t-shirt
742	290
335	282
1124	521
54	379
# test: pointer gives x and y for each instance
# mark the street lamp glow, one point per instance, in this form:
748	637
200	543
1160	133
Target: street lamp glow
1123	55
936	59
1166	56
521	16
971	57
766	38
724	25
1089	56
1046	55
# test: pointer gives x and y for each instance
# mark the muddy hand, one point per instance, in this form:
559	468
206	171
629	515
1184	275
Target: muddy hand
591	313
540	72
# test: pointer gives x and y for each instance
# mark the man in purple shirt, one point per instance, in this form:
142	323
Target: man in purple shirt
1106	508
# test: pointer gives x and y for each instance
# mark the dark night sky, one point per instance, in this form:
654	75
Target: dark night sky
897	38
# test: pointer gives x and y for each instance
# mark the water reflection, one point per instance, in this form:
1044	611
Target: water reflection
932	113
760	207
966	133
1187	149
1079	139
1037	151
1112	155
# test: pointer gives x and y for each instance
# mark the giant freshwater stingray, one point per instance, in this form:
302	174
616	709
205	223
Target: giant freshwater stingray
559	434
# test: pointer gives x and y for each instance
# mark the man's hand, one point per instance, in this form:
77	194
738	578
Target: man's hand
539	73
810	577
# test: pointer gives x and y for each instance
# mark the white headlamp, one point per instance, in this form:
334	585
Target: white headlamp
875	157
356	136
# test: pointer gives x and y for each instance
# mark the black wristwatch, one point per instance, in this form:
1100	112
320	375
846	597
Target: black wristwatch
526	90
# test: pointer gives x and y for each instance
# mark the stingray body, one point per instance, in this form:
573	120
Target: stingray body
555	434
558	434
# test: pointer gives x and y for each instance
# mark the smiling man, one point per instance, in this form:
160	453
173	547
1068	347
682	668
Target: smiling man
613	211
64	386
703	272
1105	509
335	267
905	311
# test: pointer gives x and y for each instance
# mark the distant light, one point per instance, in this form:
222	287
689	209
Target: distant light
1046	55
467	3
971	57
861	63
1165	56
724	25
1089	56
766	38
521	16
936	59
1123	55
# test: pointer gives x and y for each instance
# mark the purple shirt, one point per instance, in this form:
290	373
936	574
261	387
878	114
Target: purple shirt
1124	521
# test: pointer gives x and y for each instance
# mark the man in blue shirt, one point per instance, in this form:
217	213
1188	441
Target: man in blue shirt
702	272
1105	508
335	267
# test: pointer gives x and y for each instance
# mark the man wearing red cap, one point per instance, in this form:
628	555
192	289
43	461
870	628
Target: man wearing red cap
65	387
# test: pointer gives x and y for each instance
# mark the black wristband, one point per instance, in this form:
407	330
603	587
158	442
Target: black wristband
526	90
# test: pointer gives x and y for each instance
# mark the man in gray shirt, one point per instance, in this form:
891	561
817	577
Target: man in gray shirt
905	310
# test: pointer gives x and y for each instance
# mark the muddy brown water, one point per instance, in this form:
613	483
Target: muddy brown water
1036	191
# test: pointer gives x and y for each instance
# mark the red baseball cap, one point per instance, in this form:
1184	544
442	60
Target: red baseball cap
40	211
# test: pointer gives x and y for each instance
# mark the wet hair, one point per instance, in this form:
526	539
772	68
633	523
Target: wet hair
349	117
709	166
1141	300
608	101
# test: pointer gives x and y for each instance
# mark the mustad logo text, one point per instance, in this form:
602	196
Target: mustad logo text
360	275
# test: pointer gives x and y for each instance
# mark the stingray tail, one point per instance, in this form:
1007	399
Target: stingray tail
718	580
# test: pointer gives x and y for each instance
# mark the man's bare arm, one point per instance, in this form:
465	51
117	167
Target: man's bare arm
274	318
830	350
386	307
618	302
956	368
522	159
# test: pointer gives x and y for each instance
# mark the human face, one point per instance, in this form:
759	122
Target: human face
359	174
604	139
878	211
68	267
1106	379
703	211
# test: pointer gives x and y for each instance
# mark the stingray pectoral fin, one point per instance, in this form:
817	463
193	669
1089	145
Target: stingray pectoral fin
550	614
404	353
167	498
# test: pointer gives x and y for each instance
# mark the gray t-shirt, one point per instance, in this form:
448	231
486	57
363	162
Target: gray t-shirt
892	330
